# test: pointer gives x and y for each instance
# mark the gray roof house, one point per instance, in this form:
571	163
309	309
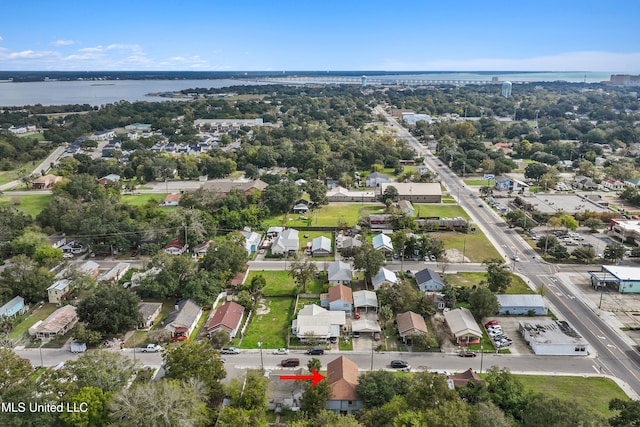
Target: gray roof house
384	276
149	311
376	178
321	246
429	280
339	273
382	242
13	308
185	315
286	242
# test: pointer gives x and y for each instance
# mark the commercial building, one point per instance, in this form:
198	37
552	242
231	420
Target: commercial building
521	305
625	280
415	192
553	338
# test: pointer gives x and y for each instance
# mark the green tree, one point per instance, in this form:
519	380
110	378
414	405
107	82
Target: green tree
314	363
219	338
613	252
594	224
520	219
535	171
95	401
569	222
369	260
249	392
559	252
110	310
483	302
389	195
47	256
498	275
164	403
543	410
377	388
487	414
104	369
28	242
584	253
506	391
302	271
317	192
23	277
196	360
84	335
314	399
628	413
226	257
279	198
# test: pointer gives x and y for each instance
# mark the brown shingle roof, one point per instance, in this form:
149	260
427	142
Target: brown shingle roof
342	375
461	379
410	323
227	317
58	320
340	292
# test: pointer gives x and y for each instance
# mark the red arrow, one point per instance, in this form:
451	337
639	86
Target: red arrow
315	378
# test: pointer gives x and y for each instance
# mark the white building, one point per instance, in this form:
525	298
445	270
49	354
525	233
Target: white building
553	338
286	242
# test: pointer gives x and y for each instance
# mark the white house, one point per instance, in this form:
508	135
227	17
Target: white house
286	242
252	240
376	178
382	242
314	321
384	276
339	272
321	246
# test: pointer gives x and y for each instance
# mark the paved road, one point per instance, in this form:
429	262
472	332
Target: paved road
615	354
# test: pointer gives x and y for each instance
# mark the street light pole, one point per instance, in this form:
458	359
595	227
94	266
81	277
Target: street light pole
481	355
261	360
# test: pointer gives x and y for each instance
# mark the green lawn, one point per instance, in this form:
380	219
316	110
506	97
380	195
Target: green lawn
476	246
142	199
40	313
328	216
31	203
518	286
8	176
280	283
593	392
270	328
441	211
313	235
476	181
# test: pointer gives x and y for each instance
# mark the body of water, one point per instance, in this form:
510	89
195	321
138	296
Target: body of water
98	93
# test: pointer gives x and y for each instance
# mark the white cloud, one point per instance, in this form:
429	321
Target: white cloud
63	42
1	38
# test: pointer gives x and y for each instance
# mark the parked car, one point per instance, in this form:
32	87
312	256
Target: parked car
290	363
230	350
399	364
315	351
281	351
409	274
333	340
356	335
432	258
356	315
466	354
376	336
151	348
491	323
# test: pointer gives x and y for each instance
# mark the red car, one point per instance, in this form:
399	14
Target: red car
357	315
491	323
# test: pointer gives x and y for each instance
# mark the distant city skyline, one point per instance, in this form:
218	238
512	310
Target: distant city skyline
466	35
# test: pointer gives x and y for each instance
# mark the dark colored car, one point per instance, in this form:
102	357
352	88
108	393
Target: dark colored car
315	351
466	354
290	363
399	364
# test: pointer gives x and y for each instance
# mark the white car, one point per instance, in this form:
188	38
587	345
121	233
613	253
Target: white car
494	333
281	351
67	255
230	350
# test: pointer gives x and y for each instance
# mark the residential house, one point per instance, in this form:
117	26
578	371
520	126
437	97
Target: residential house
13	308
252	240
300	208
511	305
274	231
380	221
429	280
227	317
46	182
200	251
463	326
286	243
406	207
350	244
58	290
612	184
116	273
222	188
382	242
149	312
383	277
58	240
339	272
339	297
463	378
410	324
285	394
109	179
321	246
104	135
172	200
176	247
340	194
365	301
376	178
416	192
632	182
59	322
584	183
316	322
342	376
138	277
89	268
183	319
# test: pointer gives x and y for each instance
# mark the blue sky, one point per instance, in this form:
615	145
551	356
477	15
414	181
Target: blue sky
430	35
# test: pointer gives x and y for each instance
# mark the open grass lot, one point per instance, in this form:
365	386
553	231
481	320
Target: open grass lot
142	199
313	235
8	176
328	216
31	204
270	328
475	181
518	286
594	392
203	319
280	283
442	211
476	246
39	313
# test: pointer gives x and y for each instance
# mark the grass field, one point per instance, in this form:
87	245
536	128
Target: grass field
142	199
280	283
328	216
31	204
518	286
40	313
476	247
593	392
270	328
441	211
8	176
476	182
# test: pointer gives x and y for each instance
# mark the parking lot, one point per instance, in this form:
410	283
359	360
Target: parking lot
510	326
